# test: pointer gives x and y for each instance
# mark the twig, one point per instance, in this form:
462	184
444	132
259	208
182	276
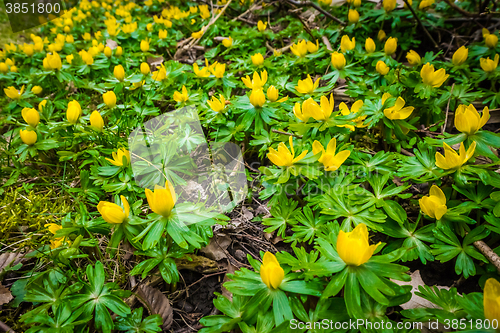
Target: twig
488	253
421	24
458	9
286	133
5	328
239	17
447	109
306	27
317	7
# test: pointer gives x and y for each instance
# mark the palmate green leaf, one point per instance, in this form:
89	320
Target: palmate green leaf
134	323
308	225
421	167
283	215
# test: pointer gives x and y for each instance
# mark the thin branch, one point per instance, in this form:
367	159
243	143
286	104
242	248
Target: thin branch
317	7
488	253
459	9
286	133
421	24
447	109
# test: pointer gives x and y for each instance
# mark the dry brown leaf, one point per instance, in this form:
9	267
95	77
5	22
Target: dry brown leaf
9	258
216	248
156	303
5	295
111	44
155	62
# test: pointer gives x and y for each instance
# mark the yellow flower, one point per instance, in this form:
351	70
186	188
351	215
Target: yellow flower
307	86
283	157
108	52
257	82
73	112
261	26
370	45
217	105
329	159
311	47
434	205
118	51
356	3
491	40
70	39
149	27
271	272
485	32
160	74
162	200
162	34
217	70
382	68
413	58
277	53
389	5
273	93
31	116
3	67
353	16
28	50
181	97
390	46
381	35
42	105
112	213
353	247
197	35
96	121
312	109
144	45
257	98
86	57
398	111
69	58
431	77
145	68
355	107
346	44
54	61
200	72
53	228
257	59
13	93
299	49
227	42
29	137
452	160
467	119
109	99
36	90
425	3
13	69
491	300
460	56
338	60
118	157
489	65
119	72
204	12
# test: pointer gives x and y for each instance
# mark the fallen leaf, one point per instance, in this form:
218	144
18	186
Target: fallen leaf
156	303
216	248
111	44
9	259
5	295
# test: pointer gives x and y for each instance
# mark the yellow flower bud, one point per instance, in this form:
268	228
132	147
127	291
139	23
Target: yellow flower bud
381	35
227	42
112	213
119	73
108	52
353	16
338	60
118	51
257	98
109	99
382	68
145	68
181	97
96	121
257	59
272	93
261	26
413	58
491	300
13	93
3	67
370	45
73	112
28	137
42	105
346	44
390	46
271	272
144	45
162	200
431	77
36	90
460	56
162	34
31	116
491	40
389	5
468	121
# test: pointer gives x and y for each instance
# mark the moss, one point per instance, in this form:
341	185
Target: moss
23	215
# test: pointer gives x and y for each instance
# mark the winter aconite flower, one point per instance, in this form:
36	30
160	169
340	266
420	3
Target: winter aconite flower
13	93
460	56
370	45
96	121
353	16
197	35
355	107
36	90
109	99
413	58
489	65
145	68
162	199
299	49
382	68
273	93
425	3
119	73
283	156
307	86
144	45
491	300
338	60
432	77
57	242
200	72
312	47
391	46
257	81
181	97
389	5
108	52
451	160
162	34
257	98
160	74
353	247
112	213
434	205
271	272
52	61
330	160
347	44
261	26
73	112
467	119
257	59
227	42
398	111
320	112
120	158
28	137
217	105
31	116
491	40
217	70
